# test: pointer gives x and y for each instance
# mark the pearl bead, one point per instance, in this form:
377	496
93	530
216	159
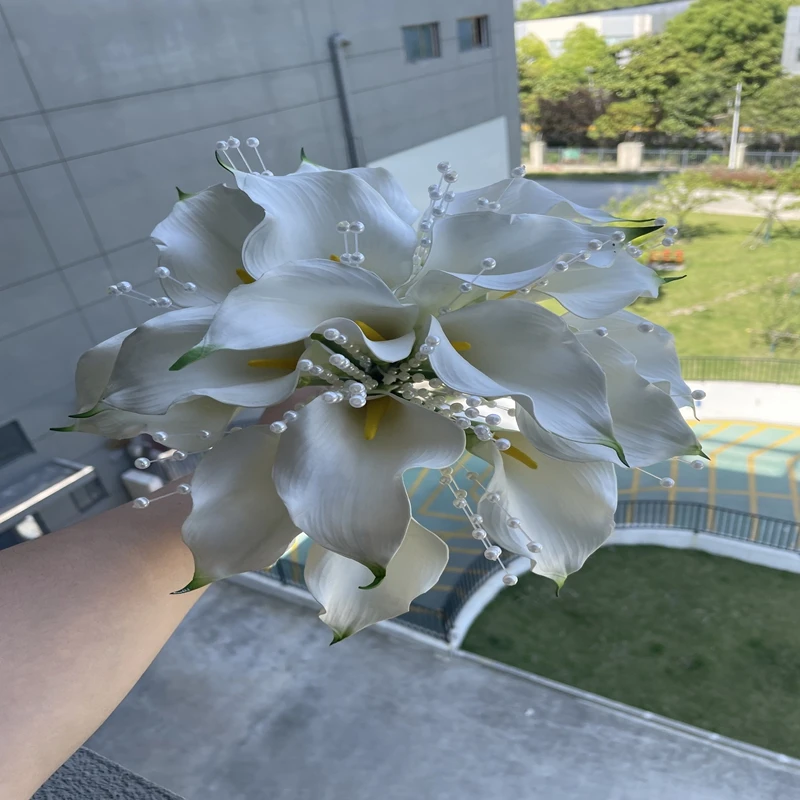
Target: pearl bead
561	266
472	413
162	272
183	488
446	470
444	480
163	302
331	397
457	407
434	193
595	244
488	264
698	465
316	370
425	225
113	290
179	455
493	419
205	434
483	433
518	172
671	231
357	401
483	202
512	412
477	520
141	463
190	286
449	197
125	287
305	364
343	226
513	522
160	437
698	394
354	387
330	334
437	212
659	222
618	237
646	327
444	310
141	502
493	497
341	339
278	427
502	444
443	166
425	241
524	290
479	533
601	331
509	579
289	416
667	241
472	476
356	227
633	251
433	341
492	553
584	256
338	360
252	142
668	483
462	493
534	547
491	403
464	424
221	145
356	259
473	400
460	502
494	206
465	287
451	176
233	142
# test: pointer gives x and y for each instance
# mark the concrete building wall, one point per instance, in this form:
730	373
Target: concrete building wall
791	42
106	106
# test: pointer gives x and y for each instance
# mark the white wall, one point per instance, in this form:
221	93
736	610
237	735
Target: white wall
479	154
753	402
791	42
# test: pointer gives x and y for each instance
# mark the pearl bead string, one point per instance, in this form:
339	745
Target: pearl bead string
164	274
125	289
354	258
145	502
484	204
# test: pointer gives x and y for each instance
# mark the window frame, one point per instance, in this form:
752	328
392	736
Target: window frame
479	33
435	40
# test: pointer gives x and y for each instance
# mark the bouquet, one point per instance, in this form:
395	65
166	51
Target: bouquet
490	321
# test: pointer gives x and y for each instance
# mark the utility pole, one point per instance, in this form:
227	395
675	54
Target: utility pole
737	105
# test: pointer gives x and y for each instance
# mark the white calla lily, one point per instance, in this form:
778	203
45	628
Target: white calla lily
238	522
302	212
336	581
513	348
340	473
94	369
200	243
291	302
560	512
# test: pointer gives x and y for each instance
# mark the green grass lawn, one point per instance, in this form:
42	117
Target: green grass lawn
706	640
717	267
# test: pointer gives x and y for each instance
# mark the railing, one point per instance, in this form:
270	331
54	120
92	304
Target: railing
701	518
750	370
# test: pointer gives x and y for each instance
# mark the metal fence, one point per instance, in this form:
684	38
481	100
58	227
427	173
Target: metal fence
701	518
751	370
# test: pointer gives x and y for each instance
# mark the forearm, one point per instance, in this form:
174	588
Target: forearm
83	612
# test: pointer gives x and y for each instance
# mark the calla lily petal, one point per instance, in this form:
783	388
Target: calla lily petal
94	369
382	181
652	346
335	580
302	212
238	521
201	242
287	305
524	196
522	350
566	507
591	293
346	490
646	421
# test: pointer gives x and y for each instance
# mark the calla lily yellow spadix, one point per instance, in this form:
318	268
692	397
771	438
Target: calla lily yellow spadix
385	316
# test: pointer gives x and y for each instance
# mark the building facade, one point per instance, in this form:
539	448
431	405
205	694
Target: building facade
791	42
106	107
615	26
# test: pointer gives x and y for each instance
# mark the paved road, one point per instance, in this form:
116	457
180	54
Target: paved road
248	702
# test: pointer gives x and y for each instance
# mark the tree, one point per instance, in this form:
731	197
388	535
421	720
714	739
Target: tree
775	110
624	120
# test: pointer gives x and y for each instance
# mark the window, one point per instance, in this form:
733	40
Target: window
421	41
473	32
